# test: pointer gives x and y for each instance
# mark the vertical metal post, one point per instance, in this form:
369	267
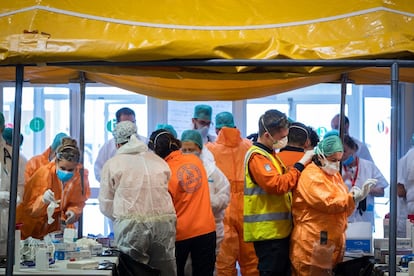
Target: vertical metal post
393	167
15	169
82	83
344	81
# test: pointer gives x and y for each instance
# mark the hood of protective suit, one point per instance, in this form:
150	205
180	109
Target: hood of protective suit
208	161
229	137
134	145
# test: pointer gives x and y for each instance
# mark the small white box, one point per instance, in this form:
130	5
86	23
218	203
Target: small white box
66	246
96	249
402	243
83	264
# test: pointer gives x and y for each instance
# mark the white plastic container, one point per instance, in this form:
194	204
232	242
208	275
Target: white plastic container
42	259
359	237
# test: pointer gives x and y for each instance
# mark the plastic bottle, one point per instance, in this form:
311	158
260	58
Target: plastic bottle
17	259
386	224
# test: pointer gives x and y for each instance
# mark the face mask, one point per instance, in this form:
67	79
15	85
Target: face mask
64	175
348	161
330	168
203	131
281	143
193	152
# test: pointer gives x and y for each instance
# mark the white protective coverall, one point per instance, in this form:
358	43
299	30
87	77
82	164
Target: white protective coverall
5	181
219	187
367	169
134	193
106	152
405	176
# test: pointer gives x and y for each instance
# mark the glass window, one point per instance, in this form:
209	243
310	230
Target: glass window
377	138
100	108
256	109
322	122
181	113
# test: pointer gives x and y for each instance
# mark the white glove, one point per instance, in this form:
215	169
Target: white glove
307	157
360	194
4	198
70	217
48	196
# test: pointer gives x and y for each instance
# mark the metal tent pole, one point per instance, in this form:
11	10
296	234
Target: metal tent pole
82	84
393	173
15	169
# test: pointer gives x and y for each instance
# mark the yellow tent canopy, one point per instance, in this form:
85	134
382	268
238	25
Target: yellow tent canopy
48	35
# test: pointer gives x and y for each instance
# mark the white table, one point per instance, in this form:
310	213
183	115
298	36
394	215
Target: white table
59	268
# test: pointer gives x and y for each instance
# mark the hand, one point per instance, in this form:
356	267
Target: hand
4	198
48	196
368	184
70	217
307	157
360	194
357	193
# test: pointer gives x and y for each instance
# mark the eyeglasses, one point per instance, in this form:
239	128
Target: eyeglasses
204	122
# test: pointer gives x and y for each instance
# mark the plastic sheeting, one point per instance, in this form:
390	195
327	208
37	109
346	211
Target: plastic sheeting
42	32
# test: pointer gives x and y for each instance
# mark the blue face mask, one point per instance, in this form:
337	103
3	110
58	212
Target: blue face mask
348	161
64	175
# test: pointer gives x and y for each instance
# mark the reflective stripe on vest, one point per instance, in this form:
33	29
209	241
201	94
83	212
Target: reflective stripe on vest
264	221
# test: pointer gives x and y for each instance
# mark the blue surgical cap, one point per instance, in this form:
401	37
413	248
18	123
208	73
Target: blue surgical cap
1	121
224	119
202	112
192	135
57	141
331	133
8	136
168	128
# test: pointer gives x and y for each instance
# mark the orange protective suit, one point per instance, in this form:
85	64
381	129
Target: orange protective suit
321	202
32	211
290	155
188	187
35	163
229	151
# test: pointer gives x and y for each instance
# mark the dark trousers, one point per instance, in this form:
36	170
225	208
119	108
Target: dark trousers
203	254
273	257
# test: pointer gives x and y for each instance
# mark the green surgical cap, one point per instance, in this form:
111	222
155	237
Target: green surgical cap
57	141
224	119
168	128
1	121
331	133
330	145
192	135
203	112
8	136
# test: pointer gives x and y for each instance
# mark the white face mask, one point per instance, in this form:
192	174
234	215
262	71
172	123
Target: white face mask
280	143
330	168
203	131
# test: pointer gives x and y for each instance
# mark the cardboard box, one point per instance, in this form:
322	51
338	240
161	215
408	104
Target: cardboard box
379	254
81	254
96	249
402	243
66	246
83	264
364	245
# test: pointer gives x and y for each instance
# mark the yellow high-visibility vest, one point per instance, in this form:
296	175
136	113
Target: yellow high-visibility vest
266	216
